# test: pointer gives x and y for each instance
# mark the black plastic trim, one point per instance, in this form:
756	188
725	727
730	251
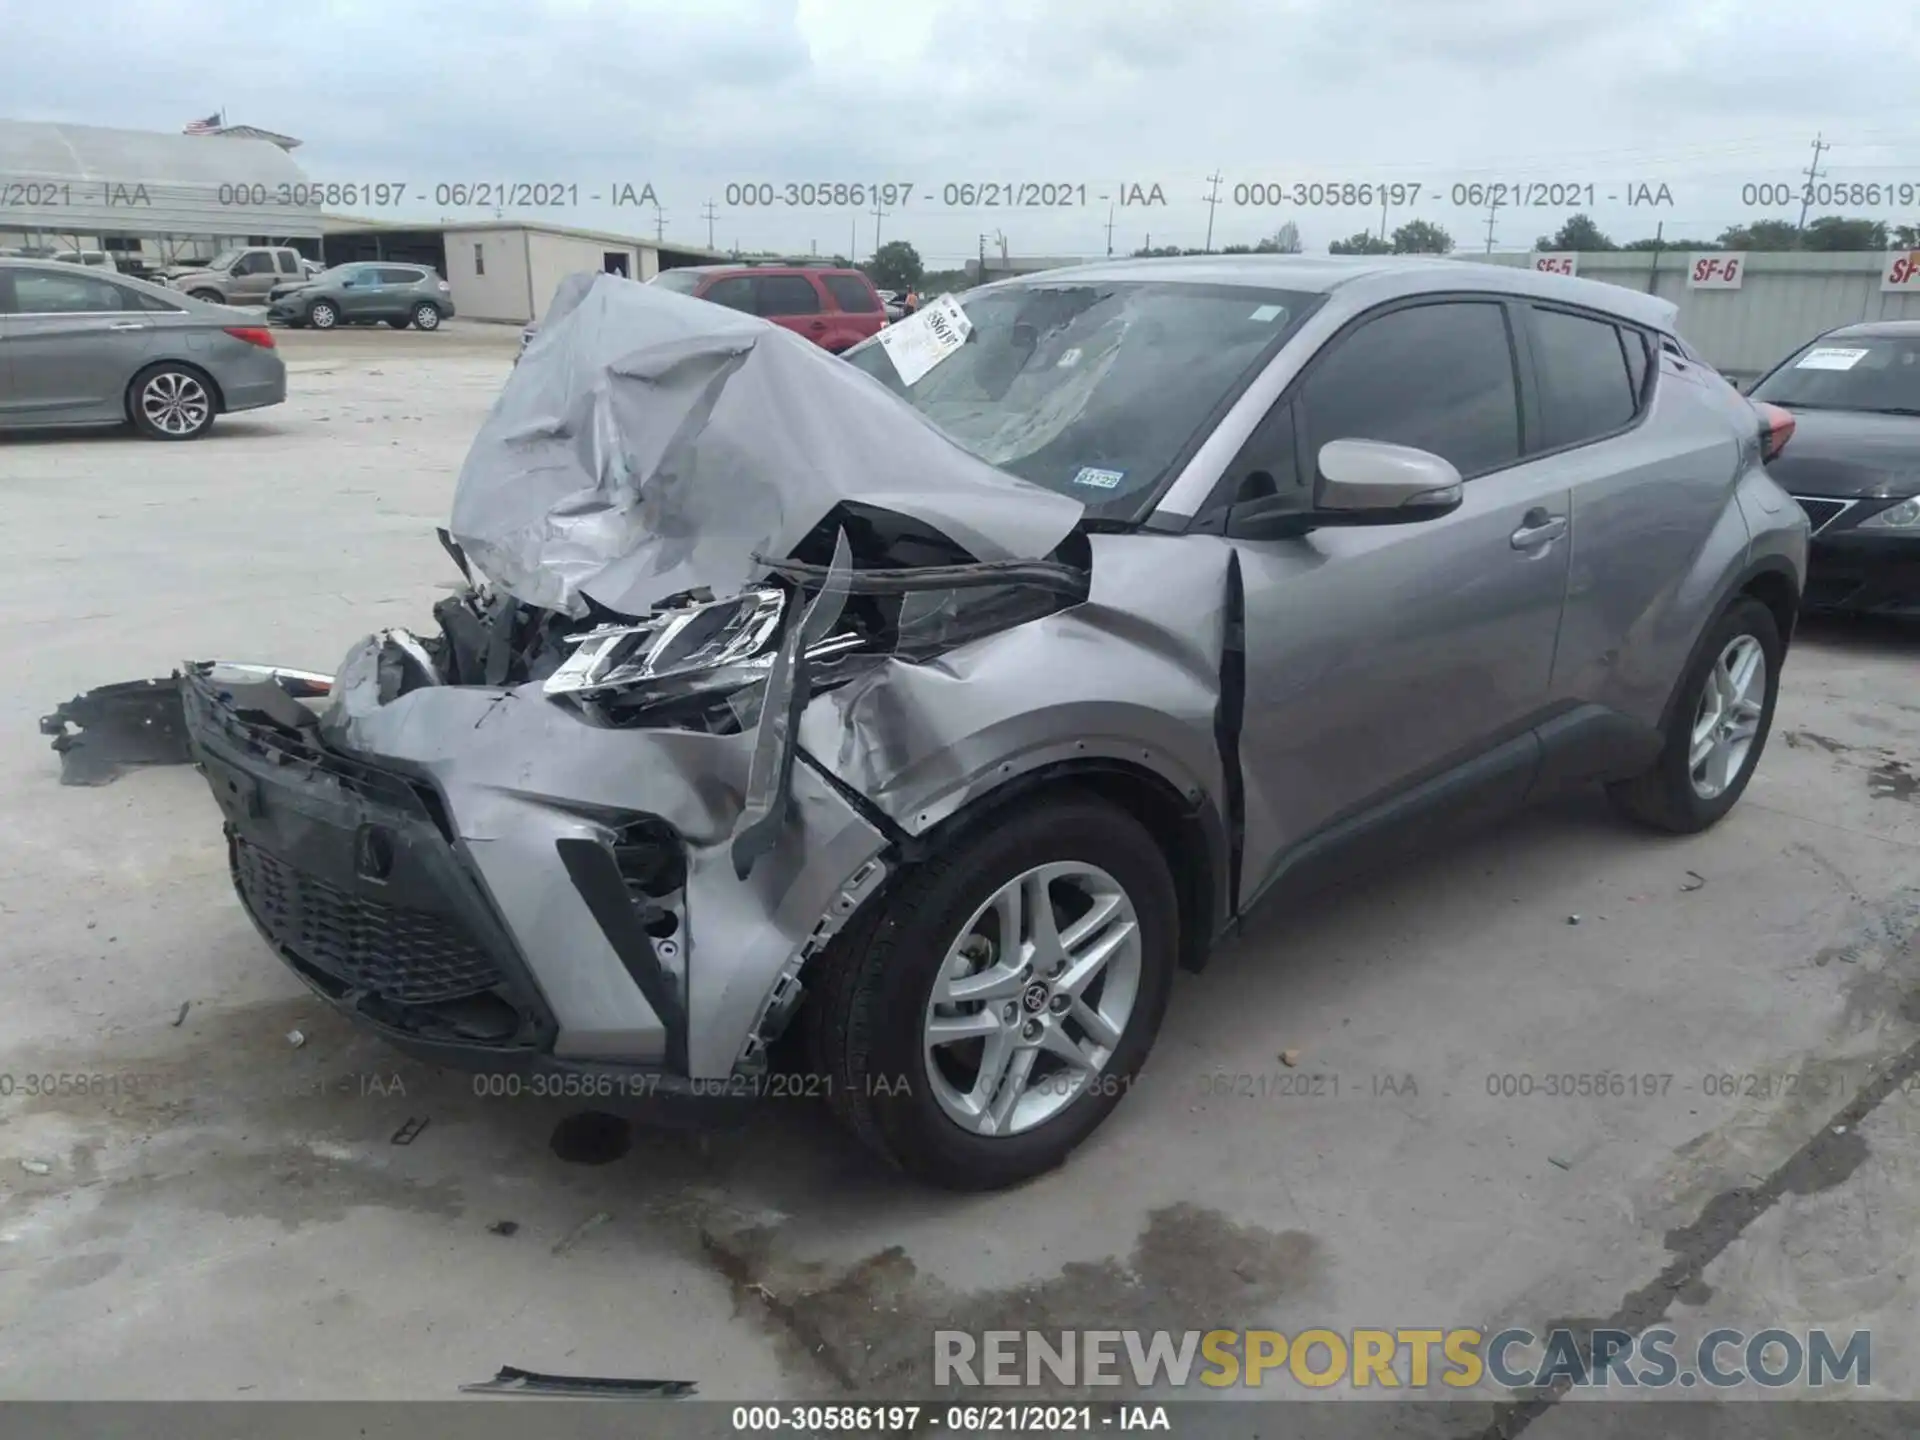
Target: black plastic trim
596	875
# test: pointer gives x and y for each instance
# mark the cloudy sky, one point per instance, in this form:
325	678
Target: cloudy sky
695	96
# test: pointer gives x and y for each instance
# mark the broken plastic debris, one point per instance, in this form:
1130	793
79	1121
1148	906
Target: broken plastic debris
296	1039
511	1380
36	1167
1289	1058
1694	881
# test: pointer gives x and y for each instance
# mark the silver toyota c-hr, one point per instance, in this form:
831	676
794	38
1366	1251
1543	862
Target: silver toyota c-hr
929	707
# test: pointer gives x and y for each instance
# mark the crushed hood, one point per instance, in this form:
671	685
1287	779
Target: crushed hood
649	443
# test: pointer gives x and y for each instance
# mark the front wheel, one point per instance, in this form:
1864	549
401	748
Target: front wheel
1718	727
323	315
998	1002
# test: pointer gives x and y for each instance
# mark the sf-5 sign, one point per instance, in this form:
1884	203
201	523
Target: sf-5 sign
1716	271
1563	262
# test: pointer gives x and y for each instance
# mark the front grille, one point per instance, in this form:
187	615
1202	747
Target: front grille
1821	511
412	957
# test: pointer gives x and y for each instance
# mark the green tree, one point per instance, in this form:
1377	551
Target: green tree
895	266
1840	232
1762	235
1365	243
1652	244
1283	241
1421	237
1906	237
1579	233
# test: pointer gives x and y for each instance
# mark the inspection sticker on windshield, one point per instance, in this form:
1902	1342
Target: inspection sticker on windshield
926	337
1830	358
1266	313
1099	479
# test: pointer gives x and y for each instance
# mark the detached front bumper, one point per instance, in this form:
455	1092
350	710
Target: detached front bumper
454	871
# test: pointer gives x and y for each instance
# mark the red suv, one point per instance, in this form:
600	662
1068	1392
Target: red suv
834	308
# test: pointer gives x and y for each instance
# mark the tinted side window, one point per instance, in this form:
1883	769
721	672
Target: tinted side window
786	295
257	263
41	292
289	263
1635	344
1437	377
735	292
137	300
851	294
1586	390
401	277
1267	466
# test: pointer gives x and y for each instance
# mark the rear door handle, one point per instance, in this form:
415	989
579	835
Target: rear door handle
1538	528
128	325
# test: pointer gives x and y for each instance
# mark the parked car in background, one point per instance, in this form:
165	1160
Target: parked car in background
82	348
835	308
1854	464
1257	570
364	293
891	302
242	275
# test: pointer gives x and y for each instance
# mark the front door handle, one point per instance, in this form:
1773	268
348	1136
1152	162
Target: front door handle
1538	528
128	325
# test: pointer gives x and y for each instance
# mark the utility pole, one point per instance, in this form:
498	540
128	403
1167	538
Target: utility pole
1383	212
853	241
1493	208
1813	174
1109	230
983	259
1653	274
659	223
711	215
878	216
1213	200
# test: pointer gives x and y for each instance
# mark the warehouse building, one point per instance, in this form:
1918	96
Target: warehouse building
150	199
504	270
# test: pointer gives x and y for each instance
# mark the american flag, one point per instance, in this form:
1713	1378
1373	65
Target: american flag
203	127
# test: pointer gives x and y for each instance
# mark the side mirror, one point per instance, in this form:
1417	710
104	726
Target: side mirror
1362	482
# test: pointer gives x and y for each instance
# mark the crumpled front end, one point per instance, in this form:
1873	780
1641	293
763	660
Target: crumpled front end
739	630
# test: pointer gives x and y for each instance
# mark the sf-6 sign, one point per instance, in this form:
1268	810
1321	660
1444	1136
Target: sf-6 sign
1721	271
1902	272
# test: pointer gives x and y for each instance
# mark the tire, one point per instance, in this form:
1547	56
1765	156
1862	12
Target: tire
211	297
1669	796
172	401
323	315
866	1021
426	316
398	322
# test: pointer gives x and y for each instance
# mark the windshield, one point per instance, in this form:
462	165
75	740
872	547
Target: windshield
681	282
1093	389
224	260
1867	372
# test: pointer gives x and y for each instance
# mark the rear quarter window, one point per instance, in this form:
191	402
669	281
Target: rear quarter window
852	294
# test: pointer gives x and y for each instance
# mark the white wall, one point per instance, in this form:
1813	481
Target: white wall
493	284
554	257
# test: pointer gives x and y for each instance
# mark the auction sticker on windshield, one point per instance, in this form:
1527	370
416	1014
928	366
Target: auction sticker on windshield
1830	357
926	337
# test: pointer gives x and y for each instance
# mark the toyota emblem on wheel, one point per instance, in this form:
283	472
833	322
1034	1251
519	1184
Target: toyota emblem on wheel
1035	998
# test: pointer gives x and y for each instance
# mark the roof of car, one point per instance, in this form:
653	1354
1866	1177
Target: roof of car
749	267
1382	276
1877	329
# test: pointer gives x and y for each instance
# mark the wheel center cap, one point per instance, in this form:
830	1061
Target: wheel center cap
1034	998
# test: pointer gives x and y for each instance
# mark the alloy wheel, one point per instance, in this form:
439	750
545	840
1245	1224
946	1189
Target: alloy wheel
175	403
1728	717
1032	998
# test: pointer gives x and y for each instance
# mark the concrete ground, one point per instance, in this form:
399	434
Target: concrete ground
223	1212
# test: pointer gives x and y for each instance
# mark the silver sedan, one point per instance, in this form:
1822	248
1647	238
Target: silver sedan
83	348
